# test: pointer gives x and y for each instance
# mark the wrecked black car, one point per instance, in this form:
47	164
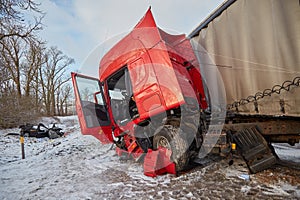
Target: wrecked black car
40	131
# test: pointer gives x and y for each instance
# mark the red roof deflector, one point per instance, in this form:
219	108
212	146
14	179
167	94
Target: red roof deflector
145	35
147	20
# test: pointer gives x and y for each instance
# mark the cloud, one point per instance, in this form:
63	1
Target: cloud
79	26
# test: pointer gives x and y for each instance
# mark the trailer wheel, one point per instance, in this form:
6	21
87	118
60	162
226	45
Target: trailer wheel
169	137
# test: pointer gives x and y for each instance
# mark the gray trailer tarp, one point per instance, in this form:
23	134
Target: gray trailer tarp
255	45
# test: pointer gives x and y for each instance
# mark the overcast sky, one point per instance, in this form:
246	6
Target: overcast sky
77	27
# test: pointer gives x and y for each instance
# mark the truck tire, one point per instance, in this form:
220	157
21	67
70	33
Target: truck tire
170	138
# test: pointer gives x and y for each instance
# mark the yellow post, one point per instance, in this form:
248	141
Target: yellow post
233	146
22	146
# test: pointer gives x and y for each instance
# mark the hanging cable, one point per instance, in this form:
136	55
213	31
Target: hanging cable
286	86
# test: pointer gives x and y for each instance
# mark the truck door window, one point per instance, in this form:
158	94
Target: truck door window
92	102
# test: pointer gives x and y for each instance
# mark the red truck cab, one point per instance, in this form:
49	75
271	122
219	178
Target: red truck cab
144	81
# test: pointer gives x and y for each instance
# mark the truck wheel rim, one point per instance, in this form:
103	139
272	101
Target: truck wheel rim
163	142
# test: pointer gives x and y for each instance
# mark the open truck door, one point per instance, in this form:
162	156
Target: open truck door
91	108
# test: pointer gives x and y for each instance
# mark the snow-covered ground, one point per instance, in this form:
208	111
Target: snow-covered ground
80	167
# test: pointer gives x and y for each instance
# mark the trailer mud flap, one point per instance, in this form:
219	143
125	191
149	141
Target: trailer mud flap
254	149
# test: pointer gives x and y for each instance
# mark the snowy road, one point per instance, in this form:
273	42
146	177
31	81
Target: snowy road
79	167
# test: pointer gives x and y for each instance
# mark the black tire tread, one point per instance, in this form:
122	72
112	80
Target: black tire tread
178	145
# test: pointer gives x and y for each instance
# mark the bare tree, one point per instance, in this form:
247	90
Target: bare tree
15	106
63	96
53	76
4	76
12	18
11	53
34	59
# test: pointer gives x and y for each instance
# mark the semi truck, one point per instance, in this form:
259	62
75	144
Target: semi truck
150	100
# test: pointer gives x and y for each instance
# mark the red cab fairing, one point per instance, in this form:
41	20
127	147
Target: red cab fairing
157	83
